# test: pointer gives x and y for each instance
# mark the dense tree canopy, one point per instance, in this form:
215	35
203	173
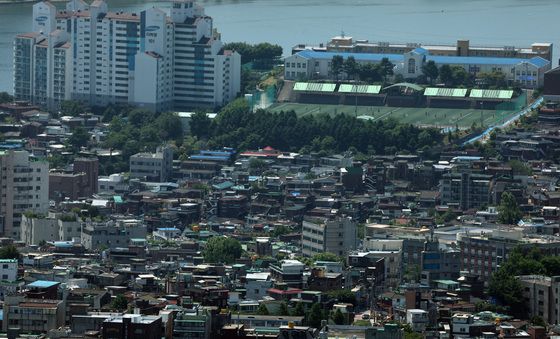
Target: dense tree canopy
262	55
5	97
431	71
236	127
337	64
222	250
72	108
315	315
9	252
509	212
79	138
120	303
343	296
504	285
493	80
337	317
351	67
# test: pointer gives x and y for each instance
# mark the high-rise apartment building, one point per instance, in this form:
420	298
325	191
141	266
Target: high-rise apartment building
152	59
24	187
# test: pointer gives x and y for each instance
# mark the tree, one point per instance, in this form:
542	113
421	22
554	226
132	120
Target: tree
315	316
538	321
169	126
337	317
460	76
494	80
139	117
350	67
72	108
299	310
430	70
280	230
257	165
9	252
410	334
262	310
262	55
343	296
369	72
520	168
337	63
222	250
119	303
446	74
386	68
200	125
327	256
506	288
509	212
79	138
5	97
283	309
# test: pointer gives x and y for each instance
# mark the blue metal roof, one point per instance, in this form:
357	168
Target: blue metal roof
43	284
539	62
457	60
168	229
421	50
309	54
209	152
210	157
450	60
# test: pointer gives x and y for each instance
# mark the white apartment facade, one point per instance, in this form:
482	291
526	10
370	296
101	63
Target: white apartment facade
24	188
150	59
51	228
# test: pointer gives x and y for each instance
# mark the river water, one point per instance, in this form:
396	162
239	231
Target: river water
289	22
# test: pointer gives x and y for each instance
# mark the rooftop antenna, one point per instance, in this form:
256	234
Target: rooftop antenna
342	33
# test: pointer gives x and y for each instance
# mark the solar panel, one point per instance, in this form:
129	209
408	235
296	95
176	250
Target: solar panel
361	89
445	92
314	87
491	94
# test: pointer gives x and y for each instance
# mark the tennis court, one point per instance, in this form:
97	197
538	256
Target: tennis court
436	117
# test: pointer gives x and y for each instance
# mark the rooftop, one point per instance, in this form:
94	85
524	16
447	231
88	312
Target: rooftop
450	60
43	284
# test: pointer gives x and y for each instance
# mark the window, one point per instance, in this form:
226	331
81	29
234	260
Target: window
411	66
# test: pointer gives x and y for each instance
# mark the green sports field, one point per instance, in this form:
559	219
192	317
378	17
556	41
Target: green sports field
437	117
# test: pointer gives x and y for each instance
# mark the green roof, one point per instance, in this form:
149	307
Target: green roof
491	94
223	186
272	330
445	92
314	87
362	89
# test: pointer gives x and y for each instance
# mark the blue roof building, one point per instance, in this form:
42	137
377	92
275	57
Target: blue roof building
313	64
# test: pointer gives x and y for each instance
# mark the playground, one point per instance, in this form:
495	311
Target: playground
420	116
